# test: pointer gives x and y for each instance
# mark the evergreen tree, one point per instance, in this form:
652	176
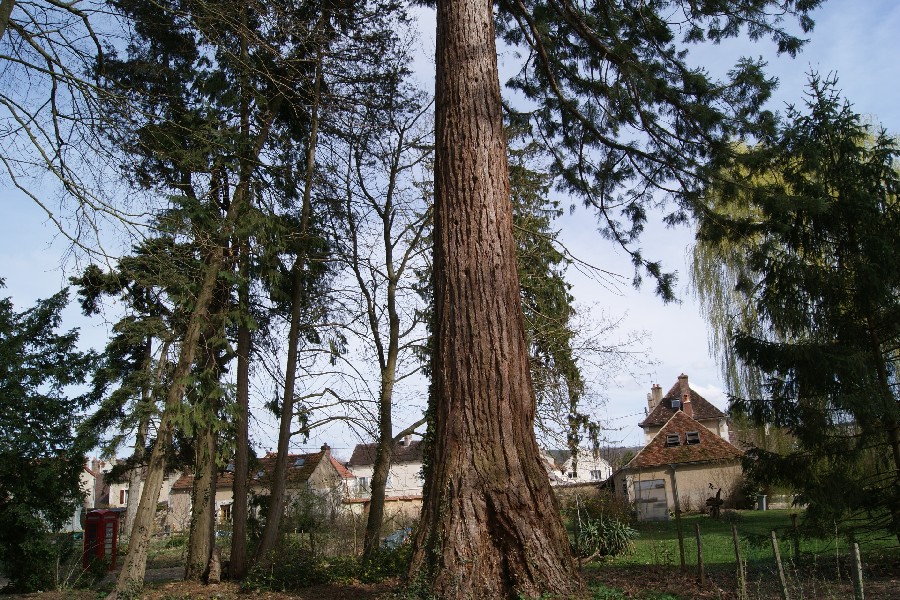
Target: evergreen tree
41	455
810	215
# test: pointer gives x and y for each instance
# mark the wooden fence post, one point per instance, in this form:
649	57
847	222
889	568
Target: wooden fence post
858	593
796	538
700	574
741	574
782	579
680	535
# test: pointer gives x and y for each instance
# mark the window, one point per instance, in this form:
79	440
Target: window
692	437
389	483
123	497
362	483
673	439
676	404
225	513
596	475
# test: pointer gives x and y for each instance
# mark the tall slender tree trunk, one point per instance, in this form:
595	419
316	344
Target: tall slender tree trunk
237	567
201	538
381	469
279	476
388	367
140	443
131	577
490	524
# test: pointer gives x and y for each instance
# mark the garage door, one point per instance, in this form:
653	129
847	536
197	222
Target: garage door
651	500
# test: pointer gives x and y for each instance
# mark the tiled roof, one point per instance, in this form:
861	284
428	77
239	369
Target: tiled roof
703	410
224	481
341	469
364	454
368	499
710	448
296	473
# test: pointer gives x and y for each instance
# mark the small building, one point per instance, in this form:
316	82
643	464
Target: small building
679	469
403	489
120	496
681	397
587	467
318	472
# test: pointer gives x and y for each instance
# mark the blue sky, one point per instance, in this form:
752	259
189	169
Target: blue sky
855	40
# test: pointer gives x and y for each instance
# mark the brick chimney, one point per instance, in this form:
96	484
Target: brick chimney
654	397
683	384
686	405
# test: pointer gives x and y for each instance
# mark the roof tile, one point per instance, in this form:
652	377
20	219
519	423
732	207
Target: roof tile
702	408
710	448
364	454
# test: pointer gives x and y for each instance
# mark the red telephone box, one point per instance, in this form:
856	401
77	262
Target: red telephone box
101	532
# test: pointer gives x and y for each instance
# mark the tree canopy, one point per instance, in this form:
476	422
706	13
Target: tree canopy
41	457
806	220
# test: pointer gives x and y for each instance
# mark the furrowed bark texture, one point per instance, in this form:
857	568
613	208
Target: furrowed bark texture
490	525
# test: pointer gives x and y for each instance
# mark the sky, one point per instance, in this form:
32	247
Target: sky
855	40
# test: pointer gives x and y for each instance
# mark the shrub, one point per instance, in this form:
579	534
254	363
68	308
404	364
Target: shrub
306	568
386	563
603	537
175	541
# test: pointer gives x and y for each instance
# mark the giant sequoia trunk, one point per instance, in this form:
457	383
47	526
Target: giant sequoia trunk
490	525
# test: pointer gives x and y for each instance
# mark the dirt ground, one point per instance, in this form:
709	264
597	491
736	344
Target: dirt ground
634	581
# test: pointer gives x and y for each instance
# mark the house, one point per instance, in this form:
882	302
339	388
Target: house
679	469
590	467
403	489
87	484
318	472
681	397
119	495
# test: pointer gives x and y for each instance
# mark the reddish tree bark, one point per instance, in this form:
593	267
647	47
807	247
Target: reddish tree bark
490	525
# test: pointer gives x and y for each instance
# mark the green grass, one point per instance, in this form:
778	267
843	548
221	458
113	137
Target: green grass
658	541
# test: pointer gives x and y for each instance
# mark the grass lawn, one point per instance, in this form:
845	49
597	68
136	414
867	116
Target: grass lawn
823	569
658	541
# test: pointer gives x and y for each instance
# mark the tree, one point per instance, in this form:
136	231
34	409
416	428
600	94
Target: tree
490	526
200	140
381	239
41	457
53	109
807	221
348	44
627	118
129	378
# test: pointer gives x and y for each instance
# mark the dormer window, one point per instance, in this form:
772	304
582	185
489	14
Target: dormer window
673	439
676	404
692	437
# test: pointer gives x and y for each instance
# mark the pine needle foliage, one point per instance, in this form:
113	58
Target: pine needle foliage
806	224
